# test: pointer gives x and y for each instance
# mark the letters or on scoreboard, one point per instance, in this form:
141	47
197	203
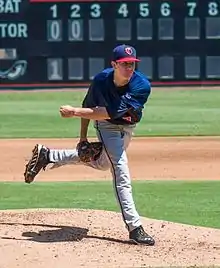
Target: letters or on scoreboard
11	29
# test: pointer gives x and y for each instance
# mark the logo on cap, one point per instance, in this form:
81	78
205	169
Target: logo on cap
128	50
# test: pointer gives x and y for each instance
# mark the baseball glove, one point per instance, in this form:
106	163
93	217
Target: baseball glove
89	151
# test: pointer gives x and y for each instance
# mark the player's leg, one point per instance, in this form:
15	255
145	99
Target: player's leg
61	157
116	140
70	157
113	138
42	156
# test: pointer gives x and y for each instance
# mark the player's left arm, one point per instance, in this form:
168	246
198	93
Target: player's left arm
132	103
138	96
135	102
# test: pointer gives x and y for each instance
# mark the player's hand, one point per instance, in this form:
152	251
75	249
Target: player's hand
67	111
82	139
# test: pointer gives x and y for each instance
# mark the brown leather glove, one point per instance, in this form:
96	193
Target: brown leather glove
89	151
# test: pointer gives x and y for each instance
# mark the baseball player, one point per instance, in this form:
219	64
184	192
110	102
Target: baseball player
114	101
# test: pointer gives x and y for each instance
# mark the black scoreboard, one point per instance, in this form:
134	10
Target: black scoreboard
64	43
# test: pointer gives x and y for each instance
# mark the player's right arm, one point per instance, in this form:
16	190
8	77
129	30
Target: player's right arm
93	106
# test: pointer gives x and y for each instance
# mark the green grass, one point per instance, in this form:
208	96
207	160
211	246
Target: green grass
168	113
36	114
196	203
184	112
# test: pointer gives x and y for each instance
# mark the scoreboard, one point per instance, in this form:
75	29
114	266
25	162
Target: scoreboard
64	43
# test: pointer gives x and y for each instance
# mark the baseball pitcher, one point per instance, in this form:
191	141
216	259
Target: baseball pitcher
114	102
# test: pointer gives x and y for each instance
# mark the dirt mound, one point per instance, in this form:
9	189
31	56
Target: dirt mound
87	238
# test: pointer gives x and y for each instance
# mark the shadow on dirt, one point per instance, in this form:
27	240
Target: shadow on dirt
58	233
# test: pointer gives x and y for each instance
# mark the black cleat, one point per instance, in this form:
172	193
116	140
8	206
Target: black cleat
38	161
139	236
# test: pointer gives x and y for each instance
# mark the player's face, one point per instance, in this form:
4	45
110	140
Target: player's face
125	69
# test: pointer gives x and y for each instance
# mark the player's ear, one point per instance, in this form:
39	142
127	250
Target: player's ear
113	63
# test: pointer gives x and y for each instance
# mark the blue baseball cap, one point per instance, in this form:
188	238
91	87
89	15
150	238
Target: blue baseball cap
123	53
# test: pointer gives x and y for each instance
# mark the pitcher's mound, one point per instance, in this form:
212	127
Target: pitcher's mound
74	238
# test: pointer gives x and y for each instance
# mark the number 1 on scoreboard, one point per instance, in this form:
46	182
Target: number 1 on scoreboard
54	11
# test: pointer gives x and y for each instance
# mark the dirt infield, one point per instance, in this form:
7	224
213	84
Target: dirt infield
85	238
149	158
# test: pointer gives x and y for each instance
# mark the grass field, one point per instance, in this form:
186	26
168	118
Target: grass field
168	113
194	203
